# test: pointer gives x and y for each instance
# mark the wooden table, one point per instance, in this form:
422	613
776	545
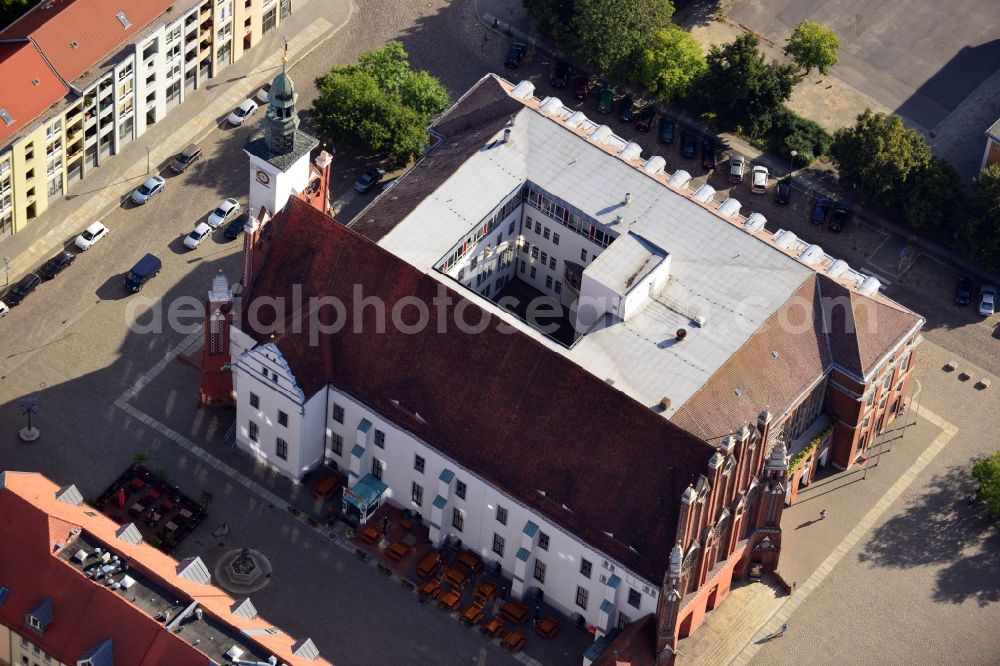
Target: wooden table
184	513
547	627
473	614
455	576
428	564
514	641
138	508
371	534
493	626
487	590
515	611
431	589
171	526
469	561
449	600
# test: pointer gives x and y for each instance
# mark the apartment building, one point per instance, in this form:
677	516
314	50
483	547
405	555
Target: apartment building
84	78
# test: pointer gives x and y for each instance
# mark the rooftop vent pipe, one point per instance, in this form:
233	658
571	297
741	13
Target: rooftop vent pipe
506	134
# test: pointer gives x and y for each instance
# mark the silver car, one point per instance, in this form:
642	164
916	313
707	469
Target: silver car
737	165
154	185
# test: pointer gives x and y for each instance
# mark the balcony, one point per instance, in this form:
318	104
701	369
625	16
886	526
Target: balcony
72	113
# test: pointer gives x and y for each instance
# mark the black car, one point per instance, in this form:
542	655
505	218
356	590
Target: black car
21	290
627	109
667	127
839	218
515	54
235	228
57	264
820	210
646	118
708	153
368	180
560	77
784	191
689	143
963	291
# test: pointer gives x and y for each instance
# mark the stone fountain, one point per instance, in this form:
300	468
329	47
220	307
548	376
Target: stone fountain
243	571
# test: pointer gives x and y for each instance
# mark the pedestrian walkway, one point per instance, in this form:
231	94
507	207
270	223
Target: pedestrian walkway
104	189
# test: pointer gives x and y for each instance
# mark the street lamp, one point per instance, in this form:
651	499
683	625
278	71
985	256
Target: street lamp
6	271
148	149
791	162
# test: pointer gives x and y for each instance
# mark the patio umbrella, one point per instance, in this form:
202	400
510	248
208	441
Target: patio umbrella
120	497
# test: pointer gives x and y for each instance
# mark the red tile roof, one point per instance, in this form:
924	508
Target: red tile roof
33	521
92	24
634	646
21	64
500	404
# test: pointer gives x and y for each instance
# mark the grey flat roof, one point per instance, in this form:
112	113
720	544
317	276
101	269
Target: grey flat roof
301	145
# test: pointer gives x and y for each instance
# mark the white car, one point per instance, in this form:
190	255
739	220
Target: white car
3	309
987	300
264	94
758	180
226	210
246	109
91	235
194	239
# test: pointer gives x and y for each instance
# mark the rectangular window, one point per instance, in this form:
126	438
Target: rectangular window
538	227
545	233
623	620
498	544
905	365
337	444
545	258
417	494
282	419
379	438
532	272
870	399
338	413
255	401
888	380
252	431
634	598
458	519
460	490
555	239
539	571
525	247
581	597
534	252
548	281
281	449
543	540
418	464
377	468
521	268
510	227
585	568
583	255
558	287
501	515
552	263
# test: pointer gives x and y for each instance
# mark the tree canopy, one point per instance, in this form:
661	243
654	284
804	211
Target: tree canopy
743	90
607	34
812	45
987	473
981	233
11	10
380	103
670	62
552	17
877	156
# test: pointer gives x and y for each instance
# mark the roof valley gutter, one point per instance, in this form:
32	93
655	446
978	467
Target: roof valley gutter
48	62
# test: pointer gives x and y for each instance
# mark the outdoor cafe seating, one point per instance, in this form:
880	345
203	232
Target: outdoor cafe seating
469	561
430	589
486	590
428	564
514	641
371	534
472	614
515	611
492	627
397	551
455	576
547	627
449	600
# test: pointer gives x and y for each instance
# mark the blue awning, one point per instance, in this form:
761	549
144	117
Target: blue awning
365	492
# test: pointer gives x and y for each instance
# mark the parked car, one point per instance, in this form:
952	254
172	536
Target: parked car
20	291
820	209
4	309
667	127
239	115
606	99
737	167
581	87
560	77
646	118
839	218
689	142
197	235
758	179
264	94
57	264
235	228
963	291
708	153
784	192
226	210
144	270
515	54
627	109
987	300
185	159
368	180
91	235
153	186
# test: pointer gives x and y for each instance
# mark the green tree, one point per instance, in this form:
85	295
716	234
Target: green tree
813	45
987	473
980	235
877	156
11	10
552	17
804	136
607	34
745	92
380	103
670	63
932	198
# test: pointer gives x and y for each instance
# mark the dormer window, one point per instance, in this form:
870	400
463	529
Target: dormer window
34	622
40	616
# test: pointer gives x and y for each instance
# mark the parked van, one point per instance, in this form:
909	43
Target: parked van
144	269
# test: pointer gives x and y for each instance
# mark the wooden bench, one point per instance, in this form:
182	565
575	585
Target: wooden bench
486	590
472	614
492	627
515	611
547	627
430	589
514	641
397	551
469	561
455	577
371	534
428	564
449	600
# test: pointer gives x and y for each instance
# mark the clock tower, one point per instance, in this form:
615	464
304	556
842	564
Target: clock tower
279	154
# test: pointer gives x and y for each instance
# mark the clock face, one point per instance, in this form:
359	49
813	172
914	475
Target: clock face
263	178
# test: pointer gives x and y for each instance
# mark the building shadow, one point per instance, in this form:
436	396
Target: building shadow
941	528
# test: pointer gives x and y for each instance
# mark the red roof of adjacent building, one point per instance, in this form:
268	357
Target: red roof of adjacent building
498	402
77	34
23	100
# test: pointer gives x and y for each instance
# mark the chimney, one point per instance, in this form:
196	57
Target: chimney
506	134
681	334
628	198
